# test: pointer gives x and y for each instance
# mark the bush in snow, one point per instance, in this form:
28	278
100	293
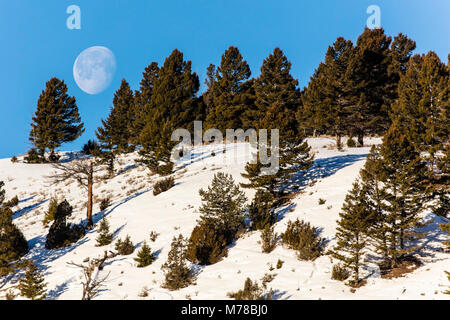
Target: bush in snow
105	203
261	212
252	291
163	185
303	238
177	274
104	236
145	257
51	211
32	285
268	239
339	273
124	247
207	244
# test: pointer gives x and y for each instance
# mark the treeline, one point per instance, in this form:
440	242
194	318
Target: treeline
352	92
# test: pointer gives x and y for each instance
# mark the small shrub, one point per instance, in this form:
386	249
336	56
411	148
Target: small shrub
51	211
14	159
125	247
279	264
145	257
153	236
165	170
252	291
268	239
351	143
322	201
33	157
303	238
32	285
11	203
163	185
104	236
207	244
339	273
177	274
105	203
91	148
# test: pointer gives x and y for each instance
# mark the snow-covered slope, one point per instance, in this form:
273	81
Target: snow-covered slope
136	212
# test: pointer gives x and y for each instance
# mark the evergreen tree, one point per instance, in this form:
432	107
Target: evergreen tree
229	91
173	105
402	176
104	236
277	102
56	120
145	257
114	135
223	205
32	285
351	235
368	84
261	211
177	274
423	103
124	247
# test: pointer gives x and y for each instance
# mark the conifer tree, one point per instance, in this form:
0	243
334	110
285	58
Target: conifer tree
32	285
351	235
277	102
145	257
114	135
173	105
229	91
223	204
104	236
261	211
402	174
177	274
56	120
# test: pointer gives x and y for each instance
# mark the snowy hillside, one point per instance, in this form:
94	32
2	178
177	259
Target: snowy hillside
135	211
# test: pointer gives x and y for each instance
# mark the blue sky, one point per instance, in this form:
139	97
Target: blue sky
36	44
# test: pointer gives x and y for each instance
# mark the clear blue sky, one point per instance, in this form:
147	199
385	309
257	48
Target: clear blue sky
36	44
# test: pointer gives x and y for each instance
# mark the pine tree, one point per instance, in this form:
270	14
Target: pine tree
223	205
173	105
124	247
261	212
32	285
104	236
229	91
403	192
368	84
326	98
351	235
56	120
114	135
277	102
145	257
177	274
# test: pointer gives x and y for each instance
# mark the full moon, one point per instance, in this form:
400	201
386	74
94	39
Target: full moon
94	69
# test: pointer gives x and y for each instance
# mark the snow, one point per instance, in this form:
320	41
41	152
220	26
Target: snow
136	211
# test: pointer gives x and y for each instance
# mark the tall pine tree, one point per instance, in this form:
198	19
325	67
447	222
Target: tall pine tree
56	120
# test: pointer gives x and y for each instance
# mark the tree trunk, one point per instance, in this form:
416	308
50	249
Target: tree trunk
338	141
361	140
89	222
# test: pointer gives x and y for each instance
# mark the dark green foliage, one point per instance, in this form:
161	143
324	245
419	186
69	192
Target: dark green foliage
51	211
145	257
446	229
261	211
268	239
252	291
303	238
33	156
105	203
125	247
339	273
91	148
177	274
229	91
11	203
14	159
350	142
322	201
13	244
114	135
207	244
168	102
56	120
104	236
223	204
32	285
352	230
279	264
163	185
60	233
277	101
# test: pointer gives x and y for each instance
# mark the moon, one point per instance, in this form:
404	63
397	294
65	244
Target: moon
94	69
